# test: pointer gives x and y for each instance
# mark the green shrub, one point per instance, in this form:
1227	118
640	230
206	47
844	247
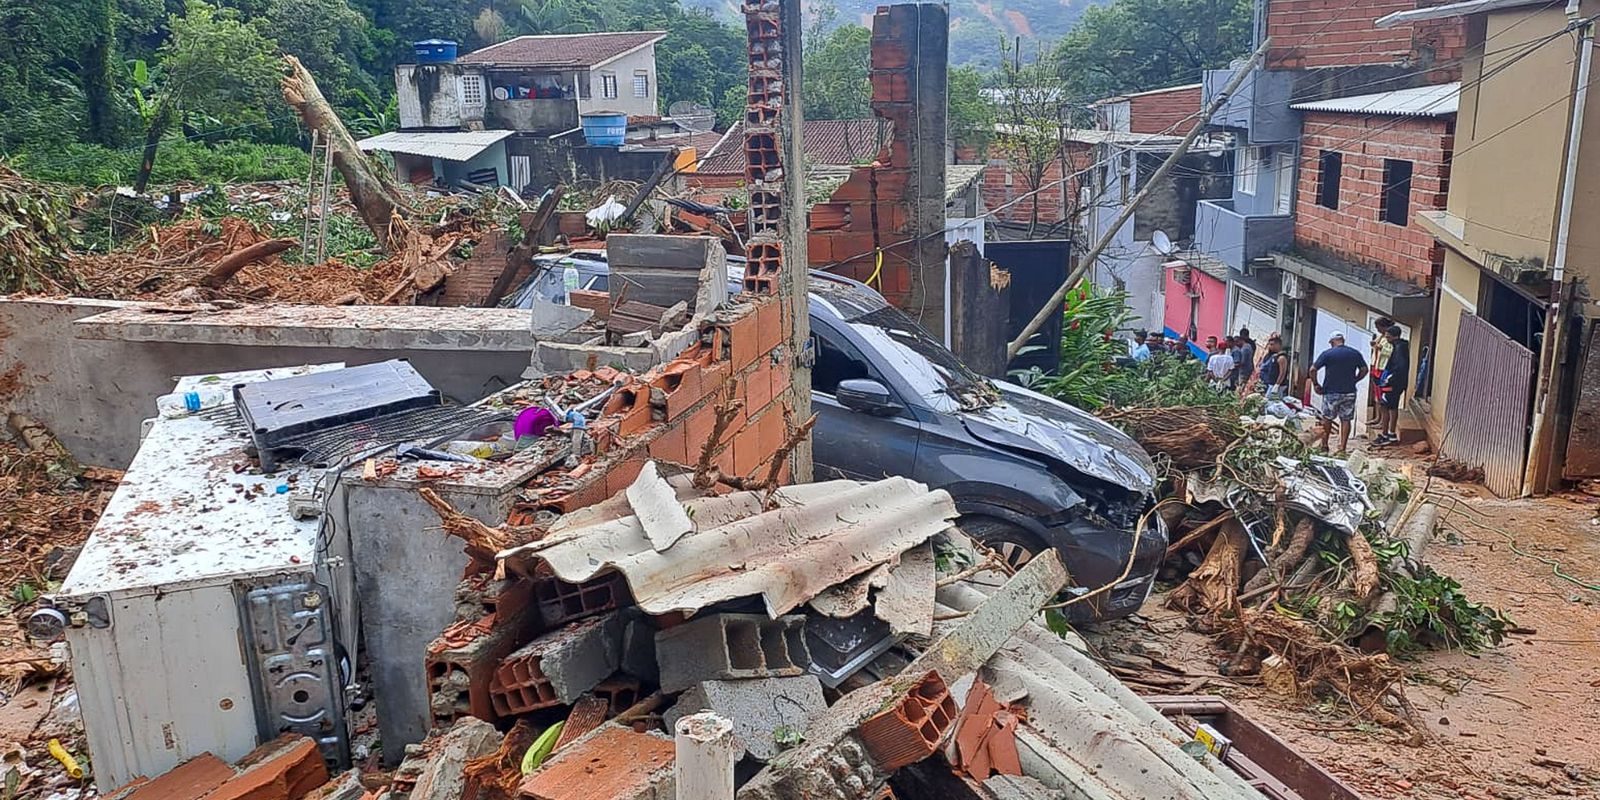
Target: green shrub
234	161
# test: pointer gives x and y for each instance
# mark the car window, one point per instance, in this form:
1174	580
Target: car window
933	372
599	283
834	363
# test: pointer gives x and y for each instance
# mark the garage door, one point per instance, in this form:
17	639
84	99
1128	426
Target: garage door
1255	311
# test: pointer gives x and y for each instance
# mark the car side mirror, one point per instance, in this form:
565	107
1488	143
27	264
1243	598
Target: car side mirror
866	396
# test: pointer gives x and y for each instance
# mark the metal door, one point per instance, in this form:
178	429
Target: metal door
1486	415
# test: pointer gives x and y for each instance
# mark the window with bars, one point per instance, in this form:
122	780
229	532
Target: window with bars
641	84
608	86
472	90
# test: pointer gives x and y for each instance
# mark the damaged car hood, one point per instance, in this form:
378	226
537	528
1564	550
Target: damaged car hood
1032	423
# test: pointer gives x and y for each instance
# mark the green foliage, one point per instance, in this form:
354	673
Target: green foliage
1431	611
1088	377
34	240
232	161
334	41
836	63
217	66
1132	45
971	113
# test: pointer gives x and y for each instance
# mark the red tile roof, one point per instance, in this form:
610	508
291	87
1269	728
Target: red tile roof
829	142
564	50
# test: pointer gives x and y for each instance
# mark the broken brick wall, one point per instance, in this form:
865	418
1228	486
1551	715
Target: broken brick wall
896	204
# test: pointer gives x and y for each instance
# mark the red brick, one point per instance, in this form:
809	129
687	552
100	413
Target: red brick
757	386
616	762
286	768
671	444
743	338
194	778
912	729
769	325
621	475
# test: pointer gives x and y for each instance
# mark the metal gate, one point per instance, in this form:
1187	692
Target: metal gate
1486	416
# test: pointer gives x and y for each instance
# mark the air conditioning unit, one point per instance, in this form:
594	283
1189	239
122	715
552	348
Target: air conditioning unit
1293	288
200	613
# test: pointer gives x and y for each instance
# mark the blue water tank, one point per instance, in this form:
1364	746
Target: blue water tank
434	51
604	128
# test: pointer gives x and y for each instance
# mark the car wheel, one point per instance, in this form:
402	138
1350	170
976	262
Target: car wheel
1012	542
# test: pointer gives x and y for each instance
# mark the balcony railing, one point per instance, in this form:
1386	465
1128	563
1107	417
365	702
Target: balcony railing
1237	239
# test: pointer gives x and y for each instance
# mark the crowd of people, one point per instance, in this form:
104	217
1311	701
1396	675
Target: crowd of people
1236	364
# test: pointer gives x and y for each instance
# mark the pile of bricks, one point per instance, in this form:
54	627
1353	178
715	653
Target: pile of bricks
286	768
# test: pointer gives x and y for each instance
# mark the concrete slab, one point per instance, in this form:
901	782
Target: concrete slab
767	713
364	327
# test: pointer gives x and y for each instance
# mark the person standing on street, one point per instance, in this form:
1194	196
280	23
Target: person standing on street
1220	364
1141	346
1392	383
1274	370
1342	368
1244	359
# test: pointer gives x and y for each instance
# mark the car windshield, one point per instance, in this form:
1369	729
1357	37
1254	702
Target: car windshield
933	371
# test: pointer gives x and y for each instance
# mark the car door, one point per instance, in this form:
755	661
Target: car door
851	444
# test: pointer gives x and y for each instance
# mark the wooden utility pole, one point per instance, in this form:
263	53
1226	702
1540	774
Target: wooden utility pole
1053	306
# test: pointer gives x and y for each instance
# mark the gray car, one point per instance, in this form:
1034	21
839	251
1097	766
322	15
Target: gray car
1026	471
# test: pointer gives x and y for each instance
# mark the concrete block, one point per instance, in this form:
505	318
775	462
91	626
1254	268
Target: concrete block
731	646
639	646
764	710
553	319
558	667
445	776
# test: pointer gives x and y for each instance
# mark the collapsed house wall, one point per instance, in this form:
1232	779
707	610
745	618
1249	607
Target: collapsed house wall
94	393
896	204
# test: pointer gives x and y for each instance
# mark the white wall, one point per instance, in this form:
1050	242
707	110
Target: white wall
624	68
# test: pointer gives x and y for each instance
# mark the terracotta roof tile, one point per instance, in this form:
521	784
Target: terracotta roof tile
828	142
567	50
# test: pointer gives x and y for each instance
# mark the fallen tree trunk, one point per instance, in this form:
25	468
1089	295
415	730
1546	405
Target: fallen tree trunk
1214	585
374	193
230	264
532	238
1288	560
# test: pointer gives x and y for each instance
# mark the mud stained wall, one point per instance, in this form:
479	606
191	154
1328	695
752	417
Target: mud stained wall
93	394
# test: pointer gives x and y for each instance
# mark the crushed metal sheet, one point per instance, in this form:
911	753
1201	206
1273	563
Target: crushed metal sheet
656	506
906	599
820	534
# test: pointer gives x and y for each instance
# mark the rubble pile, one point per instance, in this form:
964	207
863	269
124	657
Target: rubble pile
822	637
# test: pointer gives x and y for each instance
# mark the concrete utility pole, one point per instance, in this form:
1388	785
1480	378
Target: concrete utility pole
794	293
1053	306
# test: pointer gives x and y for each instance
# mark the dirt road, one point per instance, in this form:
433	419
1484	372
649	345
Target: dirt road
1520	721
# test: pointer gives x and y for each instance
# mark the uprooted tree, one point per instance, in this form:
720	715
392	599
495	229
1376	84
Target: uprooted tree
376	197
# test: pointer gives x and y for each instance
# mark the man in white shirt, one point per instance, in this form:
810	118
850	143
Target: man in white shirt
1221	363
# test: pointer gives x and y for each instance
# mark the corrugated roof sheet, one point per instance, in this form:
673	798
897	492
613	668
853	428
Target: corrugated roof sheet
820	534
1121	97
833	142
563	50
958	177
1455	10
448	145
1422	101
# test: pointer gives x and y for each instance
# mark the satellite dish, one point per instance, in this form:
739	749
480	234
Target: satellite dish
692	117
1162	242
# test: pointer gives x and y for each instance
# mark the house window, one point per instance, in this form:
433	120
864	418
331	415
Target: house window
1124	172
1249	166
472	90
608	86
1332	163
1396	208
641	84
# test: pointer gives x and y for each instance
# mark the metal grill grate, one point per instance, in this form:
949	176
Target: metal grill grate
420	426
